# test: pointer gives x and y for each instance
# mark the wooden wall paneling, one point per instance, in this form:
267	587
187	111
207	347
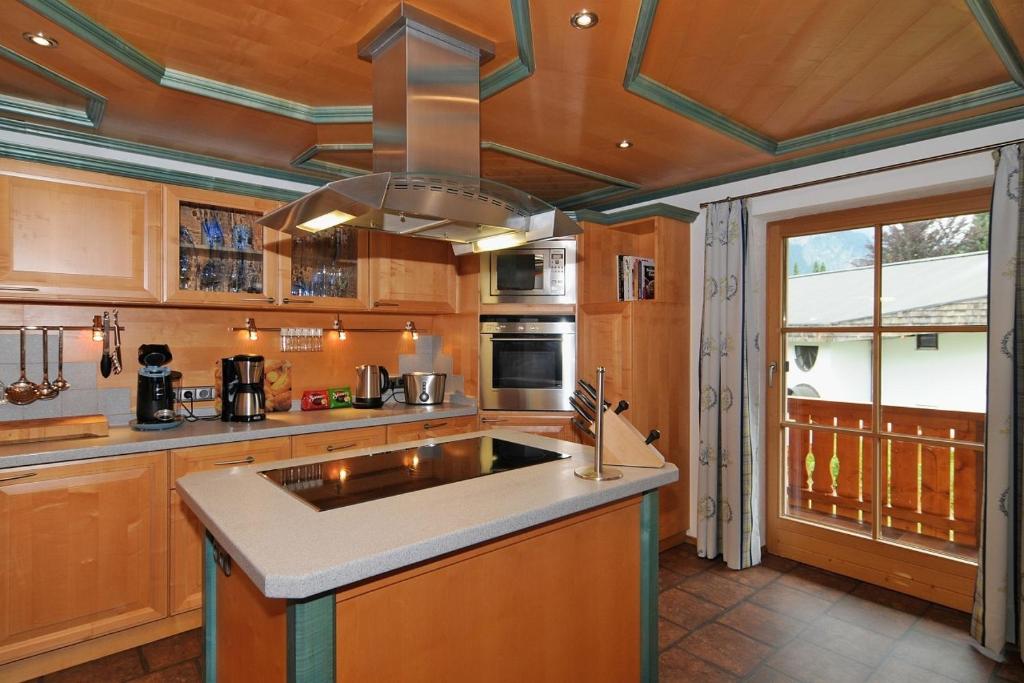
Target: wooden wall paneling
471	624
173	293
605	338
198	339
461	331
83	551
73	235
412	274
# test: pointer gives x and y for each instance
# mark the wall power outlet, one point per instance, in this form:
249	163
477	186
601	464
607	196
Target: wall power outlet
196	394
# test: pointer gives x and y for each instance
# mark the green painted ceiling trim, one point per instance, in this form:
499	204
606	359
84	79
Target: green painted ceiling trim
92	140
584	198
142	172
636	213
90	115
950	128
642	32
83	26
988	19
306	159
553	163
950	105
70	19
253	99
523	65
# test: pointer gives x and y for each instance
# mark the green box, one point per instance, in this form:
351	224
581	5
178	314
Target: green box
340	397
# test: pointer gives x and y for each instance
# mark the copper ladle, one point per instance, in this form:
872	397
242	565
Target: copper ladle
22	392
60	383
45	390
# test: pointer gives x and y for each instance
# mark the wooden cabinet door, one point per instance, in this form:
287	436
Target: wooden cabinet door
77	236
207	259
326	443
415	431
83	551
186	529
411	274
328	270
555	425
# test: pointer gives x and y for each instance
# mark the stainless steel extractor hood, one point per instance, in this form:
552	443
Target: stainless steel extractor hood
426	150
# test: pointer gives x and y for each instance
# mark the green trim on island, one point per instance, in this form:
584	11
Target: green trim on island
312	638
209	610
649	587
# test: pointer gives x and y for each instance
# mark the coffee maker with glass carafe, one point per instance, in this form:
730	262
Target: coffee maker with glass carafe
242	395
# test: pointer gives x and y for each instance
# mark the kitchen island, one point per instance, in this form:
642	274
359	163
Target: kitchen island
530	573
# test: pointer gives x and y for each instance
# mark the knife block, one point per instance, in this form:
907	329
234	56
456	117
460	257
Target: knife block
624	445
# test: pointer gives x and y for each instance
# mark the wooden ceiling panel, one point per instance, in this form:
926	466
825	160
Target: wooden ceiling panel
22	82
301	51
550	184
792	68
361	159
1011	13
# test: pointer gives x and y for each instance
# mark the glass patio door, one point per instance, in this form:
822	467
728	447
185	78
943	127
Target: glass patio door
877	331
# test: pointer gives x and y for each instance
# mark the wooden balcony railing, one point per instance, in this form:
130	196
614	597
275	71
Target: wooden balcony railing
930	490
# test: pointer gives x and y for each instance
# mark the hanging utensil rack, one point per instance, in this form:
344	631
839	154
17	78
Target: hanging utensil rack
67	328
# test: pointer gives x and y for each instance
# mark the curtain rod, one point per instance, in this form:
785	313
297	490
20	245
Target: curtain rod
857	174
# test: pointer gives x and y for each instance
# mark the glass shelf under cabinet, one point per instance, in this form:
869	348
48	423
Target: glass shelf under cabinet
220	249
325	264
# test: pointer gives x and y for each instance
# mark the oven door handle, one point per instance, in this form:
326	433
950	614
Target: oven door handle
553	338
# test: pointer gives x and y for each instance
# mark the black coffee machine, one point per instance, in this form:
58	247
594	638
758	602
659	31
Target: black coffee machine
155	404
241	392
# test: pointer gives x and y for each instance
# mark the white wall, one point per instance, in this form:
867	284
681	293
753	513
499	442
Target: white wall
951	175
950	378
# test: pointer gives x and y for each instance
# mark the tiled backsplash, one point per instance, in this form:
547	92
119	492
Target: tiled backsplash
85	398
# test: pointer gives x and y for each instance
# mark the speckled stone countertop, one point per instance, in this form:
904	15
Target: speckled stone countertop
290	550
123	440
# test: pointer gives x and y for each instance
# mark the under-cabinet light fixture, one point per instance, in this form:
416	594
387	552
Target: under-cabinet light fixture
97	328
504	241
250	328
39	38
583	19
339	329
327	220
410	326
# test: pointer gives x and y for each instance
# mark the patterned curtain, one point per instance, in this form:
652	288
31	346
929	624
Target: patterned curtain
997	594
728	484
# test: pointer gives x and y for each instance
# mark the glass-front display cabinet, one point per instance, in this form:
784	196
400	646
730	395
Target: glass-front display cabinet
326	269
216	252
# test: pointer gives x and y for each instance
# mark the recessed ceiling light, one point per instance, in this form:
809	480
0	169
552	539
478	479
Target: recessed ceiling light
583	19
41	39
624	144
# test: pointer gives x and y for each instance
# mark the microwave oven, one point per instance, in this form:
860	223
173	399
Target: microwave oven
541	273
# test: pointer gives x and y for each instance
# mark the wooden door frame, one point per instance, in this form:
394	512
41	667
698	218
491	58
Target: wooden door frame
945	580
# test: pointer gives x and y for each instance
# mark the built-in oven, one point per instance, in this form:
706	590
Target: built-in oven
527	362
541	273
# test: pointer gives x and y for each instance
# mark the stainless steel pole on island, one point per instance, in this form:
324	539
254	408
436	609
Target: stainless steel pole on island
598	472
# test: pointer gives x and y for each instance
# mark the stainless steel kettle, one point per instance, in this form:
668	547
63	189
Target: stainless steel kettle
372	381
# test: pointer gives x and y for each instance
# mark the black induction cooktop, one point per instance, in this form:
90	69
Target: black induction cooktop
347	481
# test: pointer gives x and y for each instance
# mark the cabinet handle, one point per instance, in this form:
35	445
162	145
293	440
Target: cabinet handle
18	288
379	304
286	300
247	460
435	425
332	448
26	475
267	299
491	420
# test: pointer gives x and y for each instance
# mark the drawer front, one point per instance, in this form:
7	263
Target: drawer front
415	431
201	458
326	443
555	426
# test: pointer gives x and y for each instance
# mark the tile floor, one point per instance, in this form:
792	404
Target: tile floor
778	622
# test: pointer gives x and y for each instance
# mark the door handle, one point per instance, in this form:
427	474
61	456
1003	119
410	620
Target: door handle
268	299
491	420
379	304
247	460
286	300
773	367
434	426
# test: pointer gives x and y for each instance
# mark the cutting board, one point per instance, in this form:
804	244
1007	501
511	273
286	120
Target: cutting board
53	429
